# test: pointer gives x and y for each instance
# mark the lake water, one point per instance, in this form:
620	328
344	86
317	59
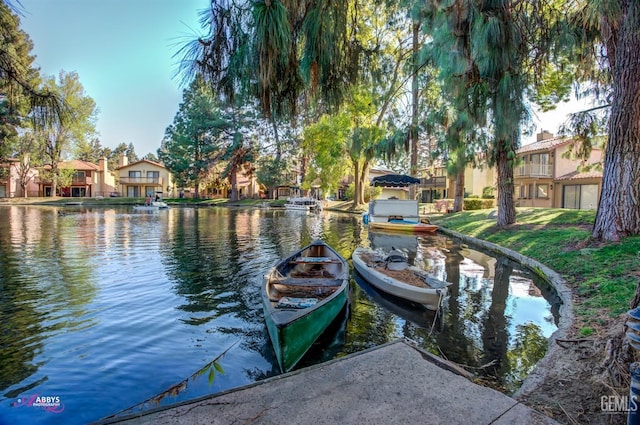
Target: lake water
105	309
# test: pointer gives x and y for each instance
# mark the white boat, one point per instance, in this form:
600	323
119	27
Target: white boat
155	205
303	204
399	215
391	274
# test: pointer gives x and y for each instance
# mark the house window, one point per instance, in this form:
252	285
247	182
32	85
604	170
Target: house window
580	196
530	191
523	192
153	174
539	164
135	173
542	191
78	192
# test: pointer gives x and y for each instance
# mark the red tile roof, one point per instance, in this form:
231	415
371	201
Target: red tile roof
76	164
576	175
544	145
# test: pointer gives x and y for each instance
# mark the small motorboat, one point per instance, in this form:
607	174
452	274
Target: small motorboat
154	205
301	296
403	226
392	274
397	215
303	204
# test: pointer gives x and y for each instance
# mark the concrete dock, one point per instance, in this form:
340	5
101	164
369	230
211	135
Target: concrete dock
395	383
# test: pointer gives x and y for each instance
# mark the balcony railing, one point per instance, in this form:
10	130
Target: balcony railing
141	180
81	180
433	182
534	170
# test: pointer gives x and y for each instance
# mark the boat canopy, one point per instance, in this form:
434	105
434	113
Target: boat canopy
394	180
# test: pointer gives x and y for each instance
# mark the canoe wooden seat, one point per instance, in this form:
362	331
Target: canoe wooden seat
290	302
314	260
296	281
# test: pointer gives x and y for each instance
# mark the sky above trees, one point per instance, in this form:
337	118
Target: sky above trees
123	53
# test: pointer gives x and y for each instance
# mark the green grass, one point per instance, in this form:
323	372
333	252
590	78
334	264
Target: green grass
604	277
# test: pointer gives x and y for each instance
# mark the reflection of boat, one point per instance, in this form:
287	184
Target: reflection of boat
301	296
404	226
412	312
386	241
394	276
155	205
484	260
303	204
397	215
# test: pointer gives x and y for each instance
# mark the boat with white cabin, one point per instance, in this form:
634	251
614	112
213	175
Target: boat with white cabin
399	215
303	204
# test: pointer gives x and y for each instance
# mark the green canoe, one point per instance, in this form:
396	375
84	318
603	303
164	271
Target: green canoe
301	296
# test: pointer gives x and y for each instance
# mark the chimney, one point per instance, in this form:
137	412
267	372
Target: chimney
543	135
123	160
104	165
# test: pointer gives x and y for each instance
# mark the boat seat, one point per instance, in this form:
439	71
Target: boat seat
289	302
293	281
314	260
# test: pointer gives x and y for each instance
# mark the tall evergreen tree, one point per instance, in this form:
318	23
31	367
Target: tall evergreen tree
20	89
192	143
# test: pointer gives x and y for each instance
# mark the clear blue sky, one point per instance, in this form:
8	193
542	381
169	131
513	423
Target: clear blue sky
123	53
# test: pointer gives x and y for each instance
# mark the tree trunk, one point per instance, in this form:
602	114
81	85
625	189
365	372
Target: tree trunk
414	109
54	178
363	179
506	207
234	186
356	184
459	191
619	211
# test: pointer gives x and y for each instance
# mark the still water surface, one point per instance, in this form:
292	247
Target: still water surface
107	308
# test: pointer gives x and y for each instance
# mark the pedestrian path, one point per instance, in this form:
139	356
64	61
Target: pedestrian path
395	383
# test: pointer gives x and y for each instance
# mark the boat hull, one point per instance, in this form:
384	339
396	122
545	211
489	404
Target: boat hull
294	329
431	298
292	339
157	205
403	227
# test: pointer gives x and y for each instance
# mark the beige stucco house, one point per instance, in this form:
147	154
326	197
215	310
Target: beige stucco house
89	180
548	175
144	178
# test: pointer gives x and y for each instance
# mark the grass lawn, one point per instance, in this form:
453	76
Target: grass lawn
604	277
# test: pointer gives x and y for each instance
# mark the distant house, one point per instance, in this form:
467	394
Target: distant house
143	178
10	180
89	180
549	177
434	183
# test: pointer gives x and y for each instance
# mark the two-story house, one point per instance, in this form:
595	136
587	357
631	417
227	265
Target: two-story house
144	178
89	180
549	177
10	179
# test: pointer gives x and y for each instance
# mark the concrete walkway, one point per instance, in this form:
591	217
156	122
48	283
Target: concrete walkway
395	383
